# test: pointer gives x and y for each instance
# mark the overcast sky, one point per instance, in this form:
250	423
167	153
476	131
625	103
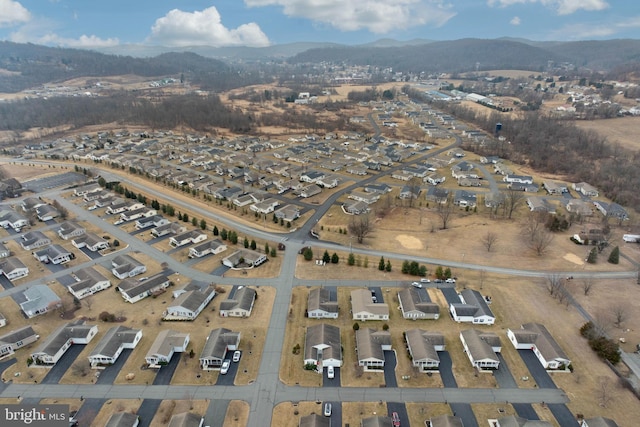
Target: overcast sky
87	23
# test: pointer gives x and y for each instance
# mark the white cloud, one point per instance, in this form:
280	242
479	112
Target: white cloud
12	12
562	7
41	31
583	31
376	16
179	28
515	20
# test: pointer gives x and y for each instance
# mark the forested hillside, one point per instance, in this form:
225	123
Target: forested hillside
28	65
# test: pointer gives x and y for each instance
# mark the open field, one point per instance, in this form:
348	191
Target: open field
621	130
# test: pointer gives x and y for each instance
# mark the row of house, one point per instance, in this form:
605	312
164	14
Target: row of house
323	347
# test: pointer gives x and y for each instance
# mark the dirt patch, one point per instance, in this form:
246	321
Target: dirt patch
409	242
573	258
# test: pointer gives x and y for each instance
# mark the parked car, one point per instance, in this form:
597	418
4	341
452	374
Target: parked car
438	281
425	280
225	366
327	409
331	373
395	418
416	284
236	356
450	280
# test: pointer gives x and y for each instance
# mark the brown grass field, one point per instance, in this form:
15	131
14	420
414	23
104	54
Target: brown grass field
622	130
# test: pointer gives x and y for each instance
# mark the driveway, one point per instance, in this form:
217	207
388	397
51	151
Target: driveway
401	409
537	371
390	363
65	362
525	410
446	370
229	377
329	382
216	411
109	374
6	283
450	295
90	254
88	411
378	291
165	373
464	411
563	415
147	411
503	375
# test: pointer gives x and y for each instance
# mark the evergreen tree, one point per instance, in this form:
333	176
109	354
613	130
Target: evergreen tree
614	256
335	258
215	230
308	254
439	272
246	243
326	258
203	224
447	273
381	264
388	266
593	256
405	267
224	234
273	253
351	260
253	245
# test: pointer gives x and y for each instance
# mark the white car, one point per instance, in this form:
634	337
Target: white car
331	373
236	356
327	409
225	366
425	280
450	280
416	284
92	208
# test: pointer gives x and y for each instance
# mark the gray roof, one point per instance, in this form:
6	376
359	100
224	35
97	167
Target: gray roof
320	299
536	333
480	343
53	343
516	421
192	299
600	422
473	298
320	336
243	299
133	287
122	419
218	341
314	420
185	419
17	335
412	299
165	341
369	343
446	421
114	339
377	422
422	343
38	297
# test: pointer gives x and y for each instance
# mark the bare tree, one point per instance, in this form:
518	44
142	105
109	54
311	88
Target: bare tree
553	284
81	368
489	240
513	200
414	189
533	223
360	226
587	284
540	241
604	392
483	274
445	210
88	302
620	314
